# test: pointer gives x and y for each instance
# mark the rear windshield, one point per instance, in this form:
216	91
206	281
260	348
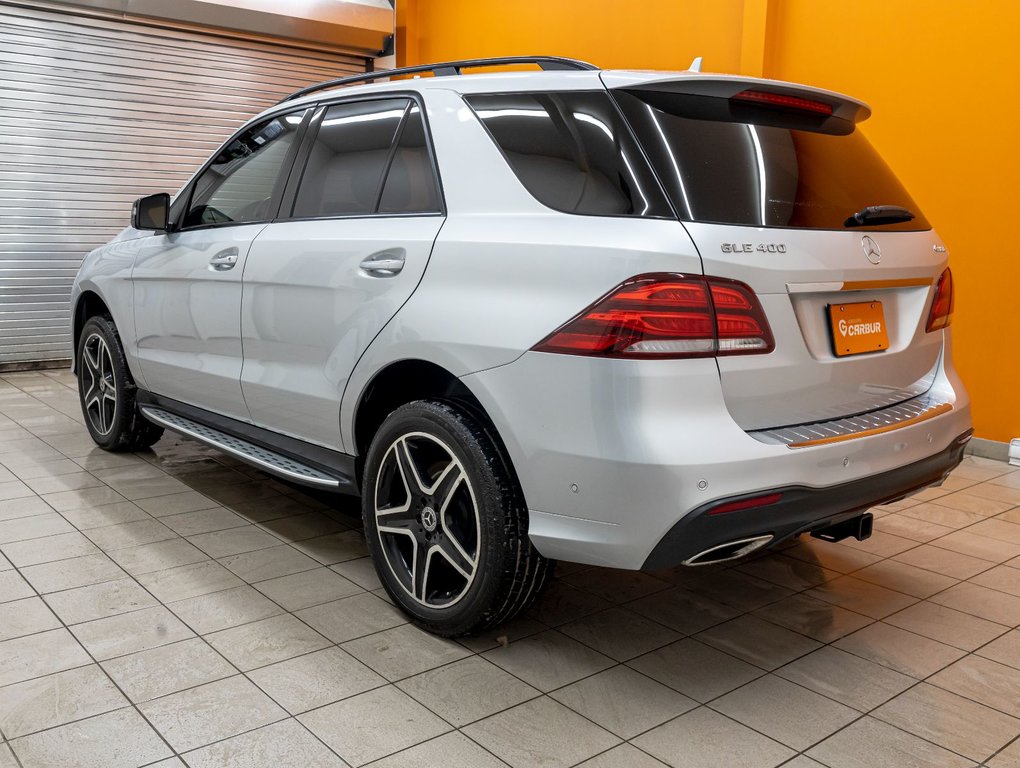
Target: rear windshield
761	173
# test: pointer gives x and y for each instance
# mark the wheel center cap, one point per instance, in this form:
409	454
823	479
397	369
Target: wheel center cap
429	519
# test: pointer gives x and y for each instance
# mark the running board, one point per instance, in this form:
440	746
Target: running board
263	458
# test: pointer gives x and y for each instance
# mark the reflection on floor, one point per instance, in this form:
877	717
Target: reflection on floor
178	608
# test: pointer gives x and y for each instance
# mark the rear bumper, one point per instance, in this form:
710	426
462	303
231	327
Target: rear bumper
799	509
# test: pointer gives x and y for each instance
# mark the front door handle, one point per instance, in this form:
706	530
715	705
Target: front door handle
384	263
224	260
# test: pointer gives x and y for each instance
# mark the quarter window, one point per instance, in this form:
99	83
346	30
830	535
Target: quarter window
368	157
572	151
244	182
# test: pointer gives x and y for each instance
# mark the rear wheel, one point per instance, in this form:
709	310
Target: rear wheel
446	522
107	392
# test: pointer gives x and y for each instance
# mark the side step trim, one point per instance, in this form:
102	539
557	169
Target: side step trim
263	458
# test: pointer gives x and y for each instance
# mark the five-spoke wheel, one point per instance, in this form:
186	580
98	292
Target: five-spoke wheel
99	400
446	521
427	519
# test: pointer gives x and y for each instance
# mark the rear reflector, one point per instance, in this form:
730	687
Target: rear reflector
666	315
736	506
784	101
941	314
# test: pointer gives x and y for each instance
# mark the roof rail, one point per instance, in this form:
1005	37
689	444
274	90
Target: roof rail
447	68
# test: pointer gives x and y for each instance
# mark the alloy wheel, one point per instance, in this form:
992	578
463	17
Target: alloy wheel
427	519
100	386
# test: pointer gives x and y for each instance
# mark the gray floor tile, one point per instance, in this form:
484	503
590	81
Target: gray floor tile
167	669
372	725
361	571
616	586
97	601
203	521
119	739
901	650
451	750
188	581
64	482
86	497
105	515
988	604
946	625
404	651
269	563
211	712
334	547
623	701
703	738
467	690
869	743
234	541
158	556
758	642
317	679
304	526
352	617
286	743
46	550
13	586
815	618
224	609
26	506
45	702
266	641
845	678
984	681
623	756
788	713
788	572
176	503
308	588
540	732
739	590
548	660
951	721
695	669
35	527
24	658
25	617
619	633
124	535
1004	649
131	632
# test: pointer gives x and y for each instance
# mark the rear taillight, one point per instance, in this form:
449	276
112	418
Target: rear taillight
768	98
667	316
742	504
941	314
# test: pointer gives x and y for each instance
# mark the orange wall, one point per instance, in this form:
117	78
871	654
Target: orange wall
940	76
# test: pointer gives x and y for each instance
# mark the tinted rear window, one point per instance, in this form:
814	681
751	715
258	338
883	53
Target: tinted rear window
761	174
572	151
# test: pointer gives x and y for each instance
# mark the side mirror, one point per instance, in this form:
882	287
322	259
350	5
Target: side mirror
151	212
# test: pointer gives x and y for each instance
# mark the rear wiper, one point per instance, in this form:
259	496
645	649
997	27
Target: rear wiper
879	214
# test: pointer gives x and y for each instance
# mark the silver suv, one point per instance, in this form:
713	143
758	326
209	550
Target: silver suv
630	319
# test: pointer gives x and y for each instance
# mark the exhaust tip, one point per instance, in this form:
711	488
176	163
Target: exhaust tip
731	550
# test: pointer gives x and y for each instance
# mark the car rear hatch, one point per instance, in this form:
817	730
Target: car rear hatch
767	178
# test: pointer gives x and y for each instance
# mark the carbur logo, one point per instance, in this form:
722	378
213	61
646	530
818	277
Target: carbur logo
858	328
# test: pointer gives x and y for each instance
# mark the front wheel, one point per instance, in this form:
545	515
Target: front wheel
446	522
107	391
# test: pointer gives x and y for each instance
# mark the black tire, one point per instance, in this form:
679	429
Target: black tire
107	391
508	572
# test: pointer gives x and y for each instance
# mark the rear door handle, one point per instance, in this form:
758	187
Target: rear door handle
224	260
384	263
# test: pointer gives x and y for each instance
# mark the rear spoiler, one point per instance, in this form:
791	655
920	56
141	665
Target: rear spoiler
739	99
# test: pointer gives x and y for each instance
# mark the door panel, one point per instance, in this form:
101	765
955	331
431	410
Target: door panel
310	310
187	315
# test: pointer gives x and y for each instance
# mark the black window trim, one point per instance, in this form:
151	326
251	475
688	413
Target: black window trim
652	175
286	169
289	197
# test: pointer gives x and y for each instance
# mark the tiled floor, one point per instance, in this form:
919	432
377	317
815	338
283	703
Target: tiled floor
175	607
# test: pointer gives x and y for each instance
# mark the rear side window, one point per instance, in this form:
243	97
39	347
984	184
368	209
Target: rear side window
727	167
244	181
572	151
368	157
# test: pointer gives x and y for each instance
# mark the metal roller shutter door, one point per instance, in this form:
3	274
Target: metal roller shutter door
95	112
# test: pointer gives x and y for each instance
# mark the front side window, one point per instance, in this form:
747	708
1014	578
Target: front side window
572	151
368	157
244	182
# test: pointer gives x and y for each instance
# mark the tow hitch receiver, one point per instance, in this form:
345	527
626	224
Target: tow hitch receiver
858	527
